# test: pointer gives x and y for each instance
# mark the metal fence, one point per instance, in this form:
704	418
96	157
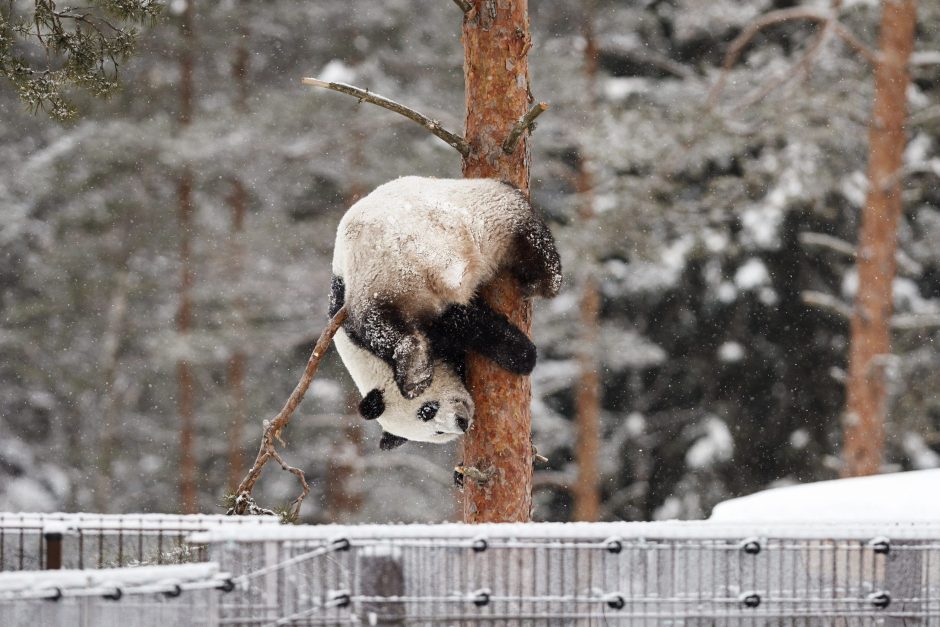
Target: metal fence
157	596
38	541
690	574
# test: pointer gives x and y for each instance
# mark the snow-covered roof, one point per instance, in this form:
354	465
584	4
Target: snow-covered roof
909	497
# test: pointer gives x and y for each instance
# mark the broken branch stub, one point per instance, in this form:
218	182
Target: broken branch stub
363	95
242	502
527	121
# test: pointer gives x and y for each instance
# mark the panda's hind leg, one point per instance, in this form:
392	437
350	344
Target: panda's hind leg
384	332
535	261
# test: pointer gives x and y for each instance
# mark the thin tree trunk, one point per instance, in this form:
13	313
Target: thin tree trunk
587	502
238	202
496	76
866	391
184	372
341	498
111	344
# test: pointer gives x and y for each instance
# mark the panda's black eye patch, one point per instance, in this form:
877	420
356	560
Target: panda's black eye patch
428	411
372	406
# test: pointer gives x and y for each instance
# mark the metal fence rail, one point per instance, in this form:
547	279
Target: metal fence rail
38	541
159	596
692	574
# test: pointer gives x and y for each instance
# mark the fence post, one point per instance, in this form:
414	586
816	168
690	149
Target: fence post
904	580
381	575
53	550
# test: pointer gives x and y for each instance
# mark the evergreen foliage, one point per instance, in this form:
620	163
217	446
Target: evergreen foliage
45	49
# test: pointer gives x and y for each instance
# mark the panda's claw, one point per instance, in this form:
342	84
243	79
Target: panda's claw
413	369
412	388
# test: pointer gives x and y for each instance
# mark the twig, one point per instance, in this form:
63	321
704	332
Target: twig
826	303
273	428
526	121
458	142
465	6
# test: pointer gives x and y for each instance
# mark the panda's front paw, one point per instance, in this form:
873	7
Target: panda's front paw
413	369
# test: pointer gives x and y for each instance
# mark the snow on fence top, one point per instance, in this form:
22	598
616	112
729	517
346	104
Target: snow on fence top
53	582
62	522
668	530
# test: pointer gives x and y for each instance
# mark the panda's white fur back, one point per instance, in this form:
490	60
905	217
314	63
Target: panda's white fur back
448	237
410	249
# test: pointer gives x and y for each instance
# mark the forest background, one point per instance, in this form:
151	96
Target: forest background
718	371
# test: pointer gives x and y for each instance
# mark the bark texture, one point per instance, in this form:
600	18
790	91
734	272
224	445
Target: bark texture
866	391
184	373
496	76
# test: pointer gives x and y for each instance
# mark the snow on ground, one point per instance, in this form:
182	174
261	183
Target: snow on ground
892	498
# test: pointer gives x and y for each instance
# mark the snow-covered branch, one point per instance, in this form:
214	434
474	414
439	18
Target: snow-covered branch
828	242
458	142
826	302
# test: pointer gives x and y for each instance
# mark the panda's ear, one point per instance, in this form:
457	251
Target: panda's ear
390	441
372	406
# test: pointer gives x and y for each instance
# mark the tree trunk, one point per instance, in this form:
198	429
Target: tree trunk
184	313
238	202
110	349
870	342
496	76
587	501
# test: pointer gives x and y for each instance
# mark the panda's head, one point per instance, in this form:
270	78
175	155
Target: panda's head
441	414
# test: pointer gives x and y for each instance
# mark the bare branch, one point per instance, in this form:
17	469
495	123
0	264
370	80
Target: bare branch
465	6
561	480
525	122
827	303
748	34
273	428
801	66
854	42
458	142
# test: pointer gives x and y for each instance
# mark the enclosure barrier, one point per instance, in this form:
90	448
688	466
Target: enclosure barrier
157	596
688	573
39	541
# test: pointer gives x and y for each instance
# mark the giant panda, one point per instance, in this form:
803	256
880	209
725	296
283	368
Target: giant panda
408	262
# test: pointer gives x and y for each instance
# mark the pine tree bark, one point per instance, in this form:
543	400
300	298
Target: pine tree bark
587	502
496	77
184	372
866	391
